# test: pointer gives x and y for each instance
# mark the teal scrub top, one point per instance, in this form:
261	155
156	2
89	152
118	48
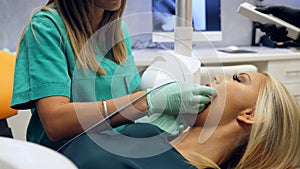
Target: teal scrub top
46	66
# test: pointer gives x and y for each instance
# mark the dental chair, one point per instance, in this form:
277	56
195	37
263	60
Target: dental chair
7	66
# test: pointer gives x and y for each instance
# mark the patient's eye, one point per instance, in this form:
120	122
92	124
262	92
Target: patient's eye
236	78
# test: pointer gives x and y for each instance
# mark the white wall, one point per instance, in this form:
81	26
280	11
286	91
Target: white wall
13	16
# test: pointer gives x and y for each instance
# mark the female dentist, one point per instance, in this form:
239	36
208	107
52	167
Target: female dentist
72	61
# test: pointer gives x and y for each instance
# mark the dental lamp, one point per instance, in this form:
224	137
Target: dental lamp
178	65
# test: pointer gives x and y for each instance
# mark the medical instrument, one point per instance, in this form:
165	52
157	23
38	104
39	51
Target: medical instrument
248	10
112	114
167	67
181	65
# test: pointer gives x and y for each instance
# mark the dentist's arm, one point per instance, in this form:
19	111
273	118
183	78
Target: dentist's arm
63	119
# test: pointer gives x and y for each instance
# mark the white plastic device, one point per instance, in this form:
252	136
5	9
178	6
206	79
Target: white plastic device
168	67
248	10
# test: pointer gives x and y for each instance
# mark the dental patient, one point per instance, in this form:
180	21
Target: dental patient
252	123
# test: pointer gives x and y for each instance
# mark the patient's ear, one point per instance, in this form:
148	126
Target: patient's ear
246	116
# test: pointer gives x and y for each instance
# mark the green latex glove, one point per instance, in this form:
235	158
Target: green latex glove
179	97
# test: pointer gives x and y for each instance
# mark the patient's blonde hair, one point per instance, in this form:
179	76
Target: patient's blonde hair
274	141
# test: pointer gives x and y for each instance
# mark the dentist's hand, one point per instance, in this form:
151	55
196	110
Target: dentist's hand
179	97
278	33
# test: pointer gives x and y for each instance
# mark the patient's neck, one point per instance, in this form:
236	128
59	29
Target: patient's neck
218	147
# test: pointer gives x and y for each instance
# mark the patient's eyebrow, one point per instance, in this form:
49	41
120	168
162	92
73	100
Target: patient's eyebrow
246	75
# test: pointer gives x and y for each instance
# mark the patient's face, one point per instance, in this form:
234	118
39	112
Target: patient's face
234	94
